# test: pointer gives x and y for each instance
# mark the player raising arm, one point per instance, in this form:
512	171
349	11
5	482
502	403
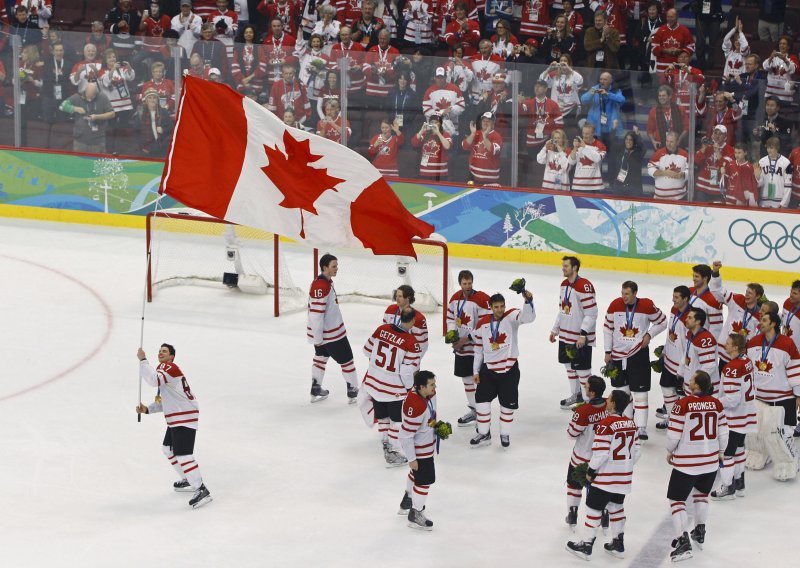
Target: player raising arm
181	411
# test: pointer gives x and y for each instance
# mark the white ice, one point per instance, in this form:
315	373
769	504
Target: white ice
294	484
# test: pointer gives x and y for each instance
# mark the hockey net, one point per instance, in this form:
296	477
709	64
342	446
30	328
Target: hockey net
195	250
364	277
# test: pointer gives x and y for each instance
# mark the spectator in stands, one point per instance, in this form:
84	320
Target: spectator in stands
6	110
88	70
212	51
353	75
434	143
604	102
484	147
587	155
248	65
794	160
735	48
114	82
726	112
565	84
602	43
746	88
152	28
503	41
290	119
379	66
181	60
457	71
284	10
739	183
27	31
39	11
712	155
463	32
155	126
780	66
123	12
774	174
497	11
226	25
422	65
289	93
330	90
484	67
187	24
56	85
162	87
98	37
330	127
665	117
446	99
535	19
543	117
525	53
771	15
574	19
669	167
348	10
197	68
214	75
313	65
31	69
367	26
670	40
402	103
773	125
92	112
204	8
642	57
387	10
554	156
246	10
327	27
280	48
708	15
680	76
625	166
558	40
616	14
418	17
385	147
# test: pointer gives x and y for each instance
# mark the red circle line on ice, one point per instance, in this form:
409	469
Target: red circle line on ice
95	350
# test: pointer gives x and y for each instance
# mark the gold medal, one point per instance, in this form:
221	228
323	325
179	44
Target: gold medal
673	337
566	309
688	361
458	322
158	399
629	333
743	332
762	365
495	346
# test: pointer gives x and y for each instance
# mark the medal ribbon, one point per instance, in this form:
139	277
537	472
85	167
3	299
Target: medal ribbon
765	347
495	329
629	315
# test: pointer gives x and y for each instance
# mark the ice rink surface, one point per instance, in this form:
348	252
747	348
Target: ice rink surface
294	484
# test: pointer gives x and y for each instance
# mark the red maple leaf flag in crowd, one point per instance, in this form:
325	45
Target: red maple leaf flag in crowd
233	159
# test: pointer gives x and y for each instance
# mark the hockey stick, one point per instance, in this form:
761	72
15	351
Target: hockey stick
141	335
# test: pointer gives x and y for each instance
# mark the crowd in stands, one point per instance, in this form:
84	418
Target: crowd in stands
606	96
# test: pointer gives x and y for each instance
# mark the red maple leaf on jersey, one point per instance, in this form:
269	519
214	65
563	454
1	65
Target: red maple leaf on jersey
500	339
443	104
565	90
764	366
632	332
738	327
586	162
465	319
554	165
674	167
787	331
483	75
738	64
300	184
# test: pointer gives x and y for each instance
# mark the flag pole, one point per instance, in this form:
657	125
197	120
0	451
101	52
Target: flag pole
144	304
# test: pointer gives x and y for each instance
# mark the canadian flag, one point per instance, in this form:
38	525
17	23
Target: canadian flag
233	159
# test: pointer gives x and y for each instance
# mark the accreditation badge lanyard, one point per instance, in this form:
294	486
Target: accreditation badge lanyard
495	329
629	315
765	349
772	164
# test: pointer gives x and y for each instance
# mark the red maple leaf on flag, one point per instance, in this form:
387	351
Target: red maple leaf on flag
300	184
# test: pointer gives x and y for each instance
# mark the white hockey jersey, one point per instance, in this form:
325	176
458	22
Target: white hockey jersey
581	429
741	319
739	395
416	436
706	301
577	312
675	345
419	331
393	359
178	404
790	322
588	161
615	450
556	168
497	343
700	355
324	323
697	433
463	314
626	326
776	367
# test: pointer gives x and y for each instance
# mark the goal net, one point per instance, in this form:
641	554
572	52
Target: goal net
364	277
192	250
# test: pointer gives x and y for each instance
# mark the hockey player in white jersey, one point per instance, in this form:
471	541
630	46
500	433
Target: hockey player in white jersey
404	298
181	411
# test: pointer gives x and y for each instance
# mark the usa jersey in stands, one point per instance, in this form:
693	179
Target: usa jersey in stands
177	401
776	369
581	429
696	434
497	344
419	331
614	451
588	161
393	359
577	311
790	322
700	355
775	182
675	345
739	395
741	319
463	314
706	301
324	322
416	435
625	326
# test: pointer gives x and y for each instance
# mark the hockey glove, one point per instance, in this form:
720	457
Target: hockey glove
451	336
443	429
518	285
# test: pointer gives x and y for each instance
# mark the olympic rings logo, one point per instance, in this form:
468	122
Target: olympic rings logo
772	237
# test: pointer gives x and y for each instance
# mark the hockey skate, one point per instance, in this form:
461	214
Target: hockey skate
699	535
643	437
572	518
418	520
468	419
616	547
352	394
480	440
605	521
681	549
393	458
405	505
505	440
724	493
317	392
572	400
738	484
201	497
182	486
581	549
661	412
663	425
